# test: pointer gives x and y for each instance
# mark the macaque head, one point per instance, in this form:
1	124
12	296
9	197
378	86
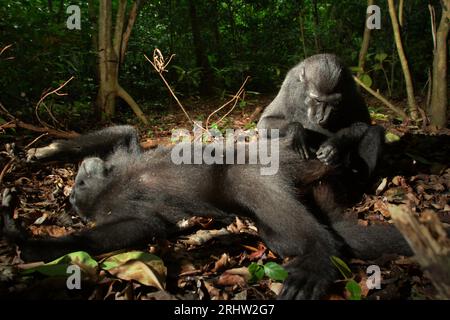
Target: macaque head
323	79
90	181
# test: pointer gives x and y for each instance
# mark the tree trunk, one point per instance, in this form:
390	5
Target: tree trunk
206	83
316	26
126	35
61	11
428	239
108	75
301	22
216	33
109	54
439	99
365	44
412	105
233	28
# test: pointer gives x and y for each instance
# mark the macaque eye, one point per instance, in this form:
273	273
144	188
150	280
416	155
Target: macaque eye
317	100
81	183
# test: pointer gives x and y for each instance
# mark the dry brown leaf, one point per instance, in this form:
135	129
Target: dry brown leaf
53	231
153	276
222	263
228	279
381	207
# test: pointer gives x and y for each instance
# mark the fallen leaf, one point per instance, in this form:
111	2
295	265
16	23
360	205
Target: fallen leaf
227	279
222	263
141	272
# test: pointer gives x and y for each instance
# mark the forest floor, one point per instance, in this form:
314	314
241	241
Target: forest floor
415	169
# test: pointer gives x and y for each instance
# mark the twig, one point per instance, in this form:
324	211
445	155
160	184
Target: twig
255	114
160	65
235	99
383	99
44	96
5	48
5	169
14	123
34	141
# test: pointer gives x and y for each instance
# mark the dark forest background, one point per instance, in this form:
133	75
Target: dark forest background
217	45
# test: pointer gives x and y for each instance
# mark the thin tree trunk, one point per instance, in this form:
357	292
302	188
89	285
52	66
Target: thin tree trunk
302	27
365	44
439	99
50	6
206	84
400	12
108	78
61	11
233	27
109	55
412	105
126	35
216	33
118	29
316	26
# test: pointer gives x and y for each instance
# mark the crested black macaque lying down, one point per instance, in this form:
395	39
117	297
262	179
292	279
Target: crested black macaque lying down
136	196
319	102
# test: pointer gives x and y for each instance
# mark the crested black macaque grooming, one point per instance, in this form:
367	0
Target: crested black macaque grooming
319	102
135	196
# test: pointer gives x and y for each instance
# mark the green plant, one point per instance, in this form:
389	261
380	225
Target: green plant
352	287
271	270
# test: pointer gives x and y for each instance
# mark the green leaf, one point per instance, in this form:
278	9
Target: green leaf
391	137
381	56
366	79
256	272
275	271
342	267
214	125
354	289
59	266
356	69
143	267
122	258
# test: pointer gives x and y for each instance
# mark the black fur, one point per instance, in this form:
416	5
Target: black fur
135	196
321	106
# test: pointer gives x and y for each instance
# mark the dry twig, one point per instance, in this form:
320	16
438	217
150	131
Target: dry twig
44	96
377	95
160	65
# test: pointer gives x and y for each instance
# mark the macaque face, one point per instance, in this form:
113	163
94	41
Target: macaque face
89	182
321	106
322	94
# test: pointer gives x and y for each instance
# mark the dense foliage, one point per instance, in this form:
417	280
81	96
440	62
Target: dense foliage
262	39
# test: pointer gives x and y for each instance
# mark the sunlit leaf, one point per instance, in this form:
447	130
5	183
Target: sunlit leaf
145	268
366	79
354	290
391	137
256	272
275	271
59	266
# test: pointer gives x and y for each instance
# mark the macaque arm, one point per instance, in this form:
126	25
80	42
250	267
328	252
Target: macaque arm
98	143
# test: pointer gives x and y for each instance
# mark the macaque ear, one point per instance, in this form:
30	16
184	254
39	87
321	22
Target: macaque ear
302	74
